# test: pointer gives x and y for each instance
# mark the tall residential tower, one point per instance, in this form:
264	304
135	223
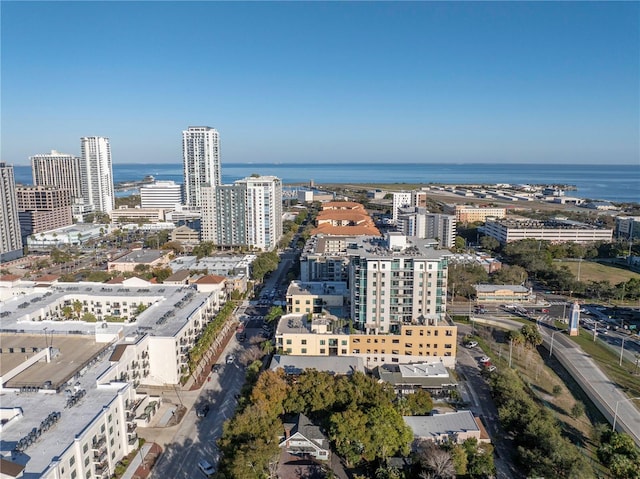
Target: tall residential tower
201	158
59	170
97	173
10	242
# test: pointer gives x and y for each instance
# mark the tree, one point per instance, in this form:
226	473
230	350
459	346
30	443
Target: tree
270	391
275	312
67	312
435	460
577	410
419	403
531	335
489	243
175	246
77	308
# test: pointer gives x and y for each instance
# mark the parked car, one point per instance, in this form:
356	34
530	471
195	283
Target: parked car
230	358
202	411
206	467
491	368
485	359
471	344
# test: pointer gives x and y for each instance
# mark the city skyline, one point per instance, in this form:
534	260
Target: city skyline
326	82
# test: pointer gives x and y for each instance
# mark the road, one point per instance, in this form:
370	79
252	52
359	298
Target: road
195	438
483	406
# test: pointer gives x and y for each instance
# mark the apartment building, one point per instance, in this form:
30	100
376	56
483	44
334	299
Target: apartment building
324	335
395	281
201	161
59	170
316	297
324	258
418	222
97	173
246	213
10	237
344	218
473	213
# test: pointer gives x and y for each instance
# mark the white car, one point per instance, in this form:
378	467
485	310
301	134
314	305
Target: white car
230	359
485	359
491	369
206	467
471	344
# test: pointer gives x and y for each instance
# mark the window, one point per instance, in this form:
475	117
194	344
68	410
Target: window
343	351
343	342
73	474
304	350
288	341
86	461
304	341
323	351
72	461
322	342
288	350
85	448
408	332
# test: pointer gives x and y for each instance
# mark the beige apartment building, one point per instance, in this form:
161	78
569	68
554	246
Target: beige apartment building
296	335
472	214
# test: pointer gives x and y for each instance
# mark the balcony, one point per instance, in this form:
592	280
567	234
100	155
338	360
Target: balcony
100	441
131	427
100	457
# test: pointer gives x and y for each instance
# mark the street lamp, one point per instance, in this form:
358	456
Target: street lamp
595	329
621	351
551	347
615	415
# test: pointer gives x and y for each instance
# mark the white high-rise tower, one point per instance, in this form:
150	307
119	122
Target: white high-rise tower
10	241
201	157
97	173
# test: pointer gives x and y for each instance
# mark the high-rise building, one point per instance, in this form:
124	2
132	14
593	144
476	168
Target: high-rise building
161	194
396	281
97	173
42	208
10	242
246	213
401	199
201	159
59	170
422	224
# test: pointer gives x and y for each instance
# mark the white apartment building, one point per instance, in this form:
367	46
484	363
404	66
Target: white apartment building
420	223
161	194
10	237
401	199
396	281
57	169
247	213
97	173
555	231
201	160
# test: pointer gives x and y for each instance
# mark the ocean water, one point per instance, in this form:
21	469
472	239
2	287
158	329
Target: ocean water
605	182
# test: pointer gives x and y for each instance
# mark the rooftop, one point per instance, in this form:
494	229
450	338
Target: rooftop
170	308
36	408
431	427
141	256
318	288
338	365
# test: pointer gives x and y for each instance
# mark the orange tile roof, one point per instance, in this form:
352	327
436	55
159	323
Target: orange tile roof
341	205
211	279
328	229
9	277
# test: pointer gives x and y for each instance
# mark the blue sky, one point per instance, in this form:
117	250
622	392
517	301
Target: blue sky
547	82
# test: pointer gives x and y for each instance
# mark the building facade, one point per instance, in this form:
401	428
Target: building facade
247	213
472	214
396	281
161	194
59	170
420	223
555	231
201	161
10	237
43	208
97	173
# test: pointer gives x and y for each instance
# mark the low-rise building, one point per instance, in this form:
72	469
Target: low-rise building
555	231
509	293
325	335
432	377
303	438
150	258
187	237
452	426
334	365
474	213
126	215
75	235
315	297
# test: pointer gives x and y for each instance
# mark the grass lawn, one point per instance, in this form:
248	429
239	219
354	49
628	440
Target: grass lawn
591	271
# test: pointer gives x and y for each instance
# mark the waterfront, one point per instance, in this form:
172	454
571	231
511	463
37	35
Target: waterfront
606	182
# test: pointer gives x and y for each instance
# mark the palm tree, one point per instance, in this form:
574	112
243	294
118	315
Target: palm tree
67	312
77	308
